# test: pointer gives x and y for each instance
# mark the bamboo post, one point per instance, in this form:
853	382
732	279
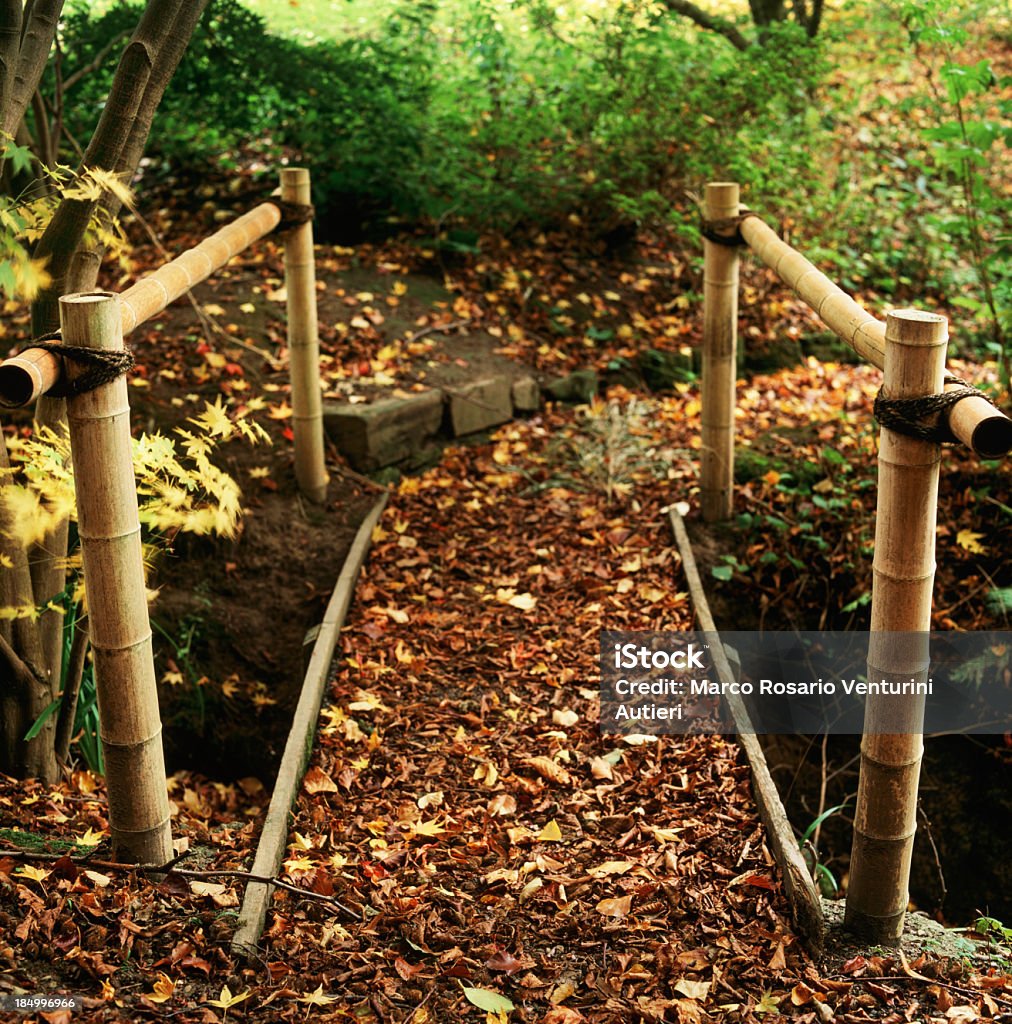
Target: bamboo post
903	574
99	424
304	343
720	334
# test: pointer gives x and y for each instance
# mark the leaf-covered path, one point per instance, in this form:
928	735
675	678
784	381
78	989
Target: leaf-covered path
463	800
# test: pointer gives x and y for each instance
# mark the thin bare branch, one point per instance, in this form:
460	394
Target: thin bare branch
709	21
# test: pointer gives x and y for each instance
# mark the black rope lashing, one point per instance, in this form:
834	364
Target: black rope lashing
293	214
725	231
102	365
924	417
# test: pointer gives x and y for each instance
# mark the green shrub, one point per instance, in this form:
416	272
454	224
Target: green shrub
499	116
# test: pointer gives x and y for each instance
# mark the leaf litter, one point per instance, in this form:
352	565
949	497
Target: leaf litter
466	844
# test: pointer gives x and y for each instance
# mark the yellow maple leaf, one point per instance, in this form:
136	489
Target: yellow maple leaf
971	542
214	420
90	838
32	872
226	999
430	828
317	998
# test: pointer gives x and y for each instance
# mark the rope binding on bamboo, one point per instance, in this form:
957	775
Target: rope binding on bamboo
727	230
102	366
923	417
292	214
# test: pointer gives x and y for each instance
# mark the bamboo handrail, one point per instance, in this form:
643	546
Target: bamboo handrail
975	421
33	372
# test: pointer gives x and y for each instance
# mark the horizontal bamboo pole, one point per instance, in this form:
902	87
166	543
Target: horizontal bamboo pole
33	372
110	532
977	423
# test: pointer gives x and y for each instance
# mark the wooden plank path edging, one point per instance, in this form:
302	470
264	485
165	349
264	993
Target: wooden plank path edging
806	906
298	749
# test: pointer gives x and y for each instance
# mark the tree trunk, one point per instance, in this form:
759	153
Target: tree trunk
175	22
38	32
709	21
142	76
24	694
30	649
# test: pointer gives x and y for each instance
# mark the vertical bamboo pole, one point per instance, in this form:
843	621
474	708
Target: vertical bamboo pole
720	335
110	533
903	574
303	343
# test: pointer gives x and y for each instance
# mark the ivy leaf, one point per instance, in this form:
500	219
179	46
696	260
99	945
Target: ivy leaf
768	1003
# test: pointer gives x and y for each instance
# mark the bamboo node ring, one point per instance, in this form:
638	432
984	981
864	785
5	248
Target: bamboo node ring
922	417
103	366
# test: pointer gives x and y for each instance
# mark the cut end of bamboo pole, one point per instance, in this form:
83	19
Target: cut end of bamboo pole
21	379
94	316
916	327
992	438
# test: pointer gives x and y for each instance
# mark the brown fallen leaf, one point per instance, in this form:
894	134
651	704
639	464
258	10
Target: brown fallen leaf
550	770
619	906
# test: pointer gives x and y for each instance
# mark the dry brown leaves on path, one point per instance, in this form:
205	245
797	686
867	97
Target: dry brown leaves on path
465	805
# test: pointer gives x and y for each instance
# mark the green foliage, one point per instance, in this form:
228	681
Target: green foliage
484	113
961	141
914	206
821	874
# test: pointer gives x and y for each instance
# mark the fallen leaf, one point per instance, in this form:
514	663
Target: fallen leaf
617	907
484	999
549	769
318	781
227	1000
693	989
551	833
162	990
971	542
317	998
612	867
503	804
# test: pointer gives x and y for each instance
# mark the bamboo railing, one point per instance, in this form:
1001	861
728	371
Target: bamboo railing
30	374
910	349
98	417
974	421
26	376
